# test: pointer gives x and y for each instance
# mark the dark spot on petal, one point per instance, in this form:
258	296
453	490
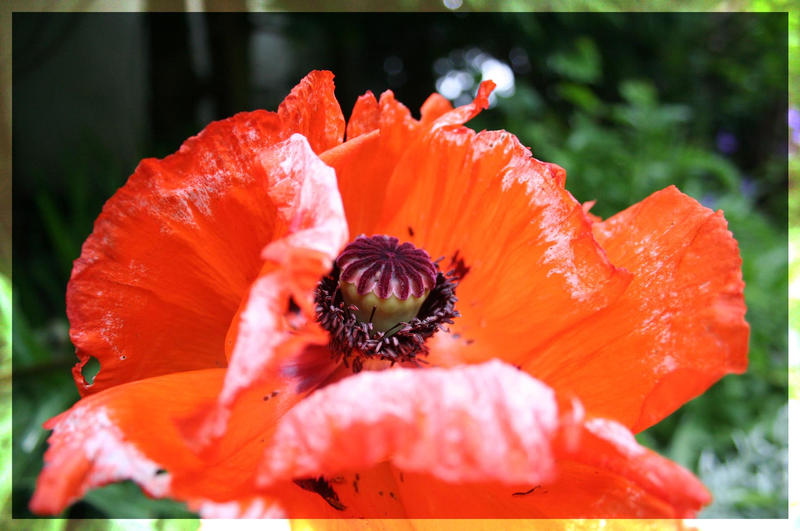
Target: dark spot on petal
458	266
160	472
323	488
380	493
355	485
273	394
392	495
410	231
402	478
470	341
526	492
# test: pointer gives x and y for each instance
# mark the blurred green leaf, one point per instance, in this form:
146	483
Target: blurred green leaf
125	500
581	63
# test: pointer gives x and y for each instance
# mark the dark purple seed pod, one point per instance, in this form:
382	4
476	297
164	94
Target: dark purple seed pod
386	280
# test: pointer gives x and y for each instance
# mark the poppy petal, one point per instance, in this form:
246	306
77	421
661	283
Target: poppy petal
677	329
311	109
135	431
365	494
365	117
266	329
378	134
435	106
531	267
176	248
636	474
125	432
469	442
509	436
465	113
580	490
461	425
363	163
226	470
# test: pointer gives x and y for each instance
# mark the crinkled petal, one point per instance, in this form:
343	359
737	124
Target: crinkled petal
378	135
477	441
535	268
579	491
369	493
314	228
532	266
634	480
474	441
677	329
366	116
465	113
459	425
363	164
361	174
311	109
177	247
135	431
267	330
435	106
125	432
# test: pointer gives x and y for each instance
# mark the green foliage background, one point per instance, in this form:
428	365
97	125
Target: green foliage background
624	116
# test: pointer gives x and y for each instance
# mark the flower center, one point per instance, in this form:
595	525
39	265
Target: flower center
385	280
383	300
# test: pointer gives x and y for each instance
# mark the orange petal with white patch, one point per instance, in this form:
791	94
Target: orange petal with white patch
678	327
531	266
471	441
176	248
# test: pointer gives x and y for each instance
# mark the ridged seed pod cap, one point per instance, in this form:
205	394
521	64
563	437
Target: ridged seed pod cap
386	280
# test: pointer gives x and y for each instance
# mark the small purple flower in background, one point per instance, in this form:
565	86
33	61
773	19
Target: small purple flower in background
709	201
794	119
748	187
726	142
794	125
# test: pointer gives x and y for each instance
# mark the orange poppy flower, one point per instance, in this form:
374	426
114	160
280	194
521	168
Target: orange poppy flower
220	385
